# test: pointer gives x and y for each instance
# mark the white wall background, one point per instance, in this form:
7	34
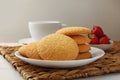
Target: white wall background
15	14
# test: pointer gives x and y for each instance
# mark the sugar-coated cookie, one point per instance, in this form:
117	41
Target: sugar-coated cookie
80	39
74	30
84	55
57	47
21	50
84	47
30	50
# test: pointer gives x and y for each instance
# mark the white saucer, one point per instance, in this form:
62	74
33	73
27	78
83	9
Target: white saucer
10	44
26	40
96	54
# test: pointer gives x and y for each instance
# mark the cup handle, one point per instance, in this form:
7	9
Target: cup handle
64	25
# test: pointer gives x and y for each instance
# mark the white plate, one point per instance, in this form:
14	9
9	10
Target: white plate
103	46
96	54
26	40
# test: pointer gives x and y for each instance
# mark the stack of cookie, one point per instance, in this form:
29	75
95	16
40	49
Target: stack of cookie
51	47
66	44
79	35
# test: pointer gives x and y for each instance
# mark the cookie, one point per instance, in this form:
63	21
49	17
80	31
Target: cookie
57	47
30	50
84	47
80	39
74	30
84	55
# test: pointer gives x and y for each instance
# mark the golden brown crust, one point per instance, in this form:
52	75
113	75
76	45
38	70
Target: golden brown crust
84	55
57	47
80	39
22	49
30	50
74	31
84	47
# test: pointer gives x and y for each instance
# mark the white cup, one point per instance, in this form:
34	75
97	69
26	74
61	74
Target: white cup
39	29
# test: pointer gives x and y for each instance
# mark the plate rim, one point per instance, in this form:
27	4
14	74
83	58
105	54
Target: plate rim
62	63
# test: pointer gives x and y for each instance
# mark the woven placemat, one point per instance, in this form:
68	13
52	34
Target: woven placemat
109	63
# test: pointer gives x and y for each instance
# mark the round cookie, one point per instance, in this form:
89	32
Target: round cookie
84	47
74	30
85	55
22	49
80	39
58	47
30	50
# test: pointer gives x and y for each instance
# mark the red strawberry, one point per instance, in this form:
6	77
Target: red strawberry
97	30
104	40
105	36
94	40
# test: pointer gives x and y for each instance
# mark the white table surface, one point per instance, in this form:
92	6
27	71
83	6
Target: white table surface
7	72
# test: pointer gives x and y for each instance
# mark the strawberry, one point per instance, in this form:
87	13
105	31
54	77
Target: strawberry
94	40
104	40
105	36
97	30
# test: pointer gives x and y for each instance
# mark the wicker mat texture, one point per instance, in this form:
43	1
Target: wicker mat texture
109	63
